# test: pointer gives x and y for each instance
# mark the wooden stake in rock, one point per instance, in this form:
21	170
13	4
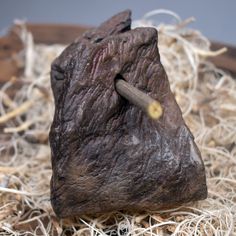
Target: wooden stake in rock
138	98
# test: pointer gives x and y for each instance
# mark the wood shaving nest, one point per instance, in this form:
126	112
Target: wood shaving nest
207	98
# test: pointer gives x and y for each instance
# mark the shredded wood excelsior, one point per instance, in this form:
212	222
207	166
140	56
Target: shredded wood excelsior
207	97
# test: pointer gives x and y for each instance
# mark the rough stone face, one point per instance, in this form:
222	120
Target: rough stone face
106	153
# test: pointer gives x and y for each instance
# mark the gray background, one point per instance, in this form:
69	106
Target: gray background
215	18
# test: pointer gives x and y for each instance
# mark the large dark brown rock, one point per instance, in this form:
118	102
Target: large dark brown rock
106	153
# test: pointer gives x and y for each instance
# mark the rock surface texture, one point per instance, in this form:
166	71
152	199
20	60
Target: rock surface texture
106	153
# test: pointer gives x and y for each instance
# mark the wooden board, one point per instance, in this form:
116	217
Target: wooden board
11	45
226	61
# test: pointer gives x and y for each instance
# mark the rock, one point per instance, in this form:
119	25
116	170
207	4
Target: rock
106	153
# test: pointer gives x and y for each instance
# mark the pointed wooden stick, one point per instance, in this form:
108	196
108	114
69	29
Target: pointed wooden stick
138	98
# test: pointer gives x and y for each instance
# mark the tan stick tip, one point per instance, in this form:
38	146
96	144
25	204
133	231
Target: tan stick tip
155	110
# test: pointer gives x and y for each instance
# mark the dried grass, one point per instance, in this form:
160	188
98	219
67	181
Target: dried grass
207	97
